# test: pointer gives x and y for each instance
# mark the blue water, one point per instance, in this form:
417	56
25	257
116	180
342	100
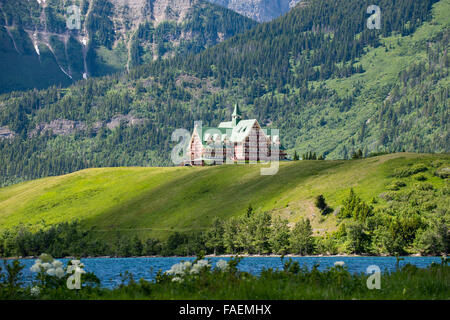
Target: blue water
109	269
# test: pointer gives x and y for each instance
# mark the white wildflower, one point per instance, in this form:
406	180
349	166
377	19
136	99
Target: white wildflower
339	263
178	269
51	272
177	279
76	266
36	267
196	268
35	291
222	265
46	265
59	272
57	264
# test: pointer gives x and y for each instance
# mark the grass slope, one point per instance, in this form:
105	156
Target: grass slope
156	201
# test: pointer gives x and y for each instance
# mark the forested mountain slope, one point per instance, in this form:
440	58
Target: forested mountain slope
38	48
318	74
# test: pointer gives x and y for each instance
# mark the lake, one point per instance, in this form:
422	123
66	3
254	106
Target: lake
109	269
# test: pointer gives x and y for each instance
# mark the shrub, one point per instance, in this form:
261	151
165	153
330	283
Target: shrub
409	171
420	177
396	185
424	186
320	203
443	172
354	207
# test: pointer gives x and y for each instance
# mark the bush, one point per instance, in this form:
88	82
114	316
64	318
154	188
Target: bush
443	172
320	203
424	186
409	171
420	177
396	185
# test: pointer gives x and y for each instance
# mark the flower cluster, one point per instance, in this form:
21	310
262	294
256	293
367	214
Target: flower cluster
199	266
35	291
182	269
339	263
222	265
75	266
48	265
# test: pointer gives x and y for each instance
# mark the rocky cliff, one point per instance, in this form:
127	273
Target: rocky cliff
43	43
259	10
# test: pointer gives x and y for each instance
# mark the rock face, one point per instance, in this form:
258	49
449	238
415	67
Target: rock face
259	10
42	45
62	127
59	127
5	133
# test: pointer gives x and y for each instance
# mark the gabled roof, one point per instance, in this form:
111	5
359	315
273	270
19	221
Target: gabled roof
242	130
227	124
234	131
233	134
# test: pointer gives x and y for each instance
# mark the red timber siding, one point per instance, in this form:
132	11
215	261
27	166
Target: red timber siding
256	146
196	149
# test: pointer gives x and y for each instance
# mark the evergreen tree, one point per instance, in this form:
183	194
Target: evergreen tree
260	226
302	241
320	203
231	229
279	236
215	235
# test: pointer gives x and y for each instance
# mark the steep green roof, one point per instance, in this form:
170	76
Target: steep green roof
237	111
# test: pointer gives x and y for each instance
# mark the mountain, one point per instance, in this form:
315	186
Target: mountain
259	10
155	202
330	84
38	49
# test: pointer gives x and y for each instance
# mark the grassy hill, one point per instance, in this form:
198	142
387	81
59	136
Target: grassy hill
157	201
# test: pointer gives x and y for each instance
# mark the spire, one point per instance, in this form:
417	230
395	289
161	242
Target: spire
236	116
236	111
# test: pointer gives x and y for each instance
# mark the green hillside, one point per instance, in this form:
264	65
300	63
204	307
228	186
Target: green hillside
154	202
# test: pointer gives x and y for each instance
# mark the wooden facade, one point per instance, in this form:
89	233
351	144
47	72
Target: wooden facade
235	141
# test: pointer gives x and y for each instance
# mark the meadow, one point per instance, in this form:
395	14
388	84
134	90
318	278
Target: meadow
156	202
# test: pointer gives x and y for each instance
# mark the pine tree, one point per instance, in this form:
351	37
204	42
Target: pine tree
302	241
279	236
320	203
215	235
